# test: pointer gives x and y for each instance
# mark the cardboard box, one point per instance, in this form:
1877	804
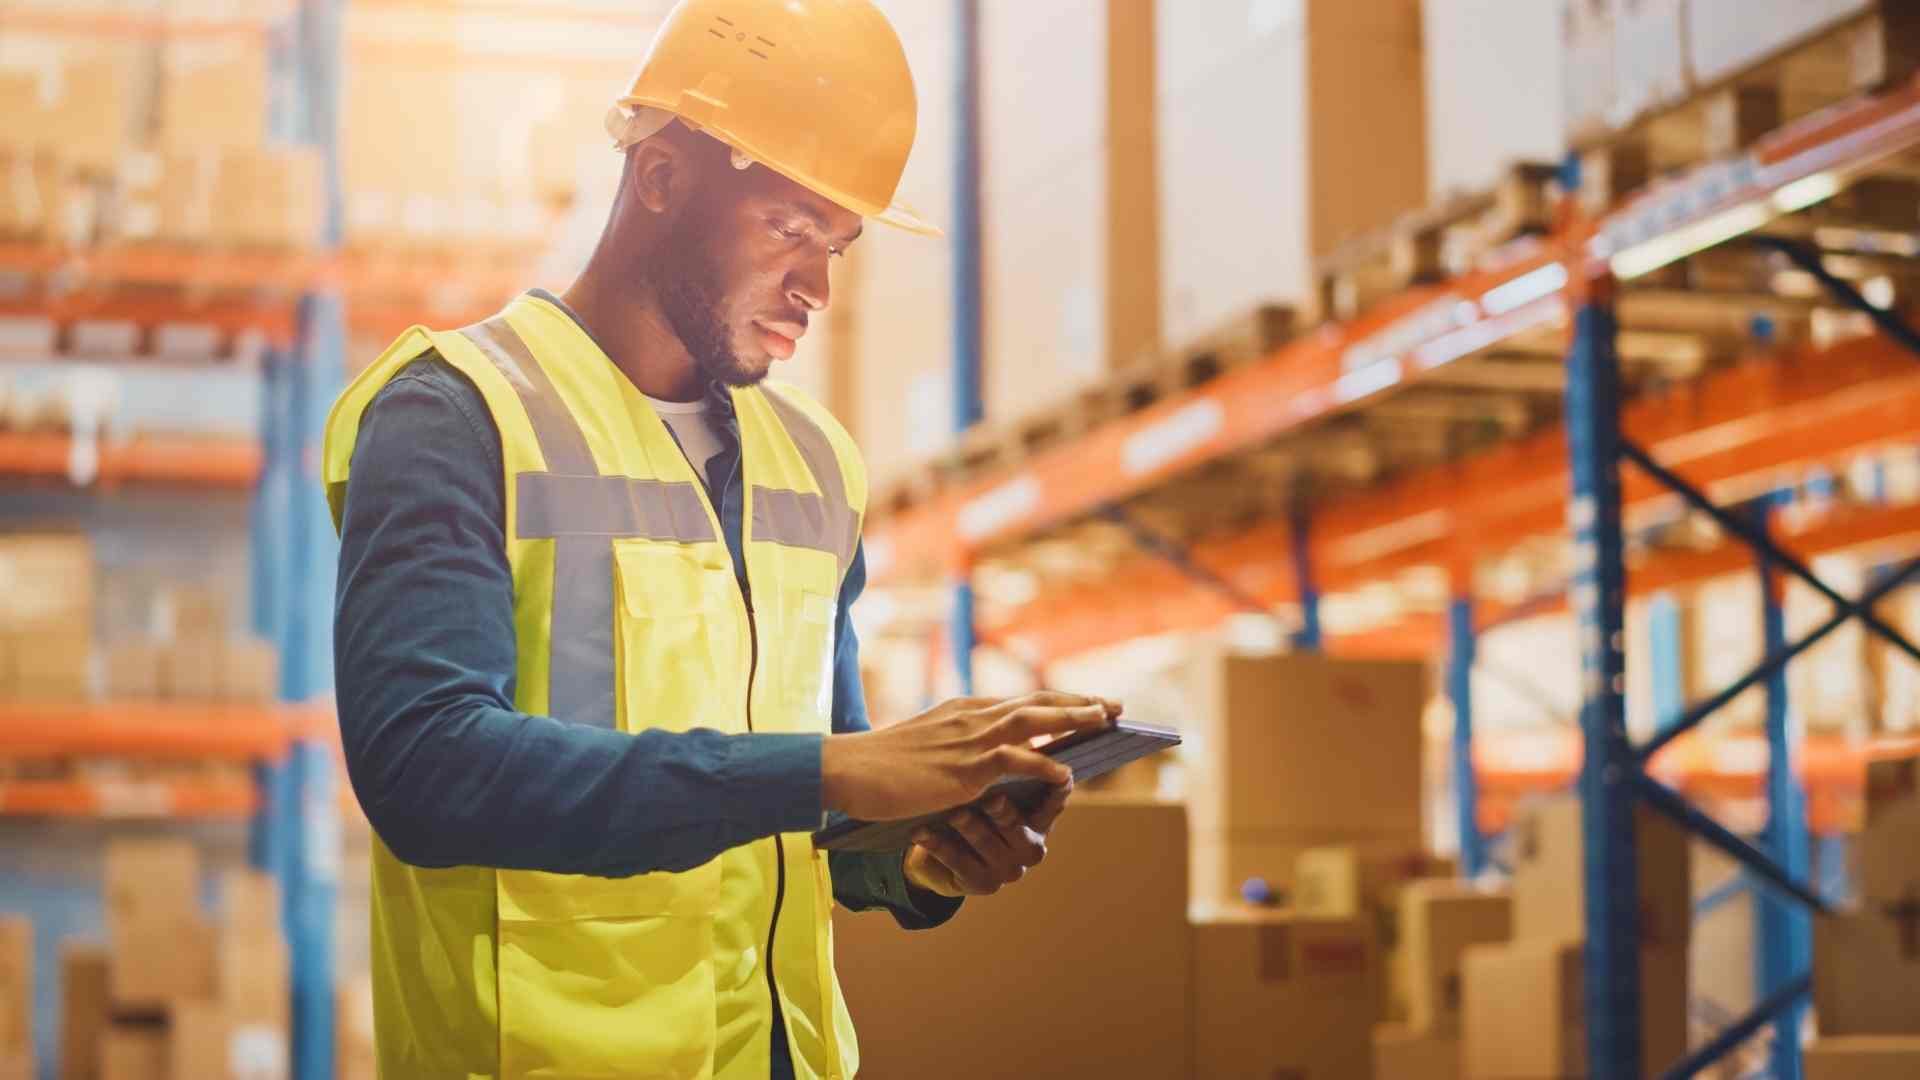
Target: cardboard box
132	671
1223	861
1587	88
1722	942
16	986
1303	742
159	962
134	1052
85	1010
1549	900
1648	60
1401	1053
1522	1009
53	664
1862	1057
1279	994
1439	921
1523	1014
354	1057
1886	868
1866	971
18	1066
1343	880
1111	997
193	669
250	902
184	611
1726	36
250	672
268	198
253	978
211	90
96	107
46	582
151	881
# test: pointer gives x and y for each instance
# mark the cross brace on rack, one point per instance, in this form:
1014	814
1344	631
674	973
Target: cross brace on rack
1613	775
1180	559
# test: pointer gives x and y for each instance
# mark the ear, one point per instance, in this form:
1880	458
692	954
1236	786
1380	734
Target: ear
658	174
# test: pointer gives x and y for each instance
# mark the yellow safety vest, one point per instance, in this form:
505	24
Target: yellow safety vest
628	616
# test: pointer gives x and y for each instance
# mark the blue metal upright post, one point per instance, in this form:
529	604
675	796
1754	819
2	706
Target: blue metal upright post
1307	638
1608	770
1466	787
308	113
968	313
1785	931
269	541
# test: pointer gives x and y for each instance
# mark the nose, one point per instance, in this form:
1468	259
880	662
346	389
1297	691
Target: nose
807	284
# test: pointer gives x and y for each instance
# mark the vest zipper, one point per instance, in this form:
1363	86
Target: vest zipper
779	848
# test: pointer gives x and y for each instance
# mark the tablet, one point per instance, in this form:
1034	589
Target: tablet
1088	754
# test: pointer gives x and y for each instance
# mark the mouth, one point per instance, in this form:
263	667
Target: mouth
780	339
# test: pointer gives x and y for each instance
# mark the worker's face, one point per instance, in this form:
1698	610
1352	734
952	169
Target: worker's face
754	250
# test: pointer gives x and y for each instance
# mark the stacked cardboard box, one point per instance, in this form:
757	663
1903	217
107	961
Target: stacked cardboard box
1439	921
1866	963
86	1009
1082	970
16	998
1862	1057
353	1055
183	993
46	616
201	659
1293	752
1522	1013
1278	993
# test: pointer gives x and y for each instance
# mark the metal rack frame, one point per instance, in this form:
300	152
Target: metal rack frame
1569	274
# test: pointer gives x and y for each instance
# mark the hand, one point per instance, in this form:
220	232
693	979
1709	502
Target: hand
949	755
979	850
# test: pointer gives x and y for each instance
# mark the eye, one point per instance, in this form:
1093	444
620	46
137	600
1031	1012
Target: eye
787	232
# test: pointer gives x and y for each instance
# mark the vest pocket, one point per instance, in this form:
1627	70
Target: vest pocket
807	660
674	637
607	977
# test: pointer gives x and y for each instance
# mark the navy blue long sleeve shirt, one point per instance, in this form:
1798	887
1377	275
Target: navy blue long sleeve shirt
451	774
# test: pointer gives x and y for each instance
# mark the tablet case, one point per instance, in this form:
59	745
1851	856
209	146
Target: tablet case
1089	755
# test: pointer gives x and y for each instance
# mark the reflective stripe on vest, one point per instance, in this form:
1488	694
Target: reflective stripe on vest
583	511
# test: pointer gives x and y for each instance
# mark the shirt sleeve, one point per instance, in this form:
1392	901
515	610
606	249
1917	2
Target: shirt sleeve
863	880
448	771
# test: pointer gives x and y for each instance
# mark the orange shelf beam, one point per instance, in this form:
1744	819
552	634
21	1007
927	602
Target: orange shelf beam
1816	407
128	799
150	729
127	25
1340	366
183	461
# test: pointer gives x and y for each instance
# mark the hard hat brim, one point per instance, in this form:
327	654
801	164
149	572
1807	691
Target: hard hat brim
900	217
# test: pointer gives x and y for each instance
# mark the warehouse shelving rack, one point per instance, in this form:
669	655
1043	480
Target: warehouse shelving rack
296	303
1757	419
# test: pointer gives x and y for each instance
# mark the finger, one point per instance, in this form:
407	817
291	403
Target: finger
970	874
1025	724
1042	819
1004	854
1017	760
976	829
1056	699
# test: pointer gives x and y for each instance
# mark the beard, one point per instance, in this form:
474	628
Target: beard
694	305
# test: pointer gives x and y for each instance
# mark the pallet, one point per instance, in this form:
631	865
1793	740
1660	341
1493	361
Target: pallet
1864	54
994	447
1433	244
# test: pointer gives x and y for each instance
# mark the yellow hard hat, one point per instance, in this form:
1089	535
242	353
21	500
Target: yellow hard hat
816	90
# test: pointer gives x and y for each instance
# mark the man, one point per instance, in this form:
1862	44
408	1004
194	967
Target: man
596	678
